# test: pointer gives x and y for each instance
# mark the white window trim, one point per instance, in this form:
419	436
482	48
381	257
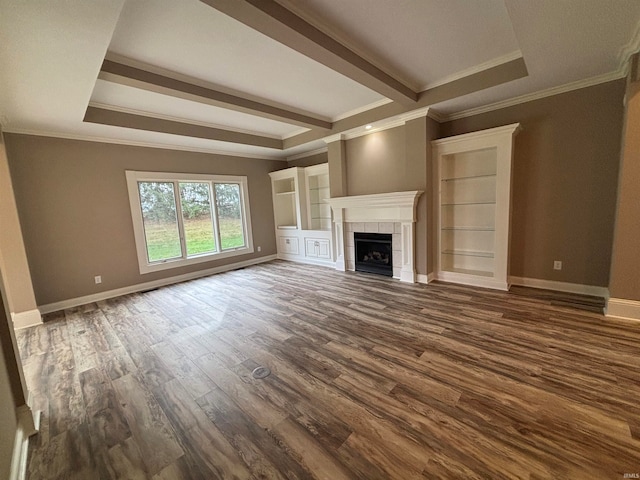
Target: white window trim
133	177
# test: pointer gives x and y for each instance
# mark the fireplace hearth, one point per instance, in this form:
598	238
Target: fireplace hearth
373	253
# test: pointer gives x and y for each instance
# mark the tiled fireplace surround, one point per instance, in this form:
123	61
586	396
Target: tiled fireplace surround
395	228
393	213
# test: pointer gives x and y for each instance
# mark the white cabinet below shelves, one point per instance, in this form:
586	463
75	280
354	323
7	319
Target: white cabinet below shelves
472	175
318	248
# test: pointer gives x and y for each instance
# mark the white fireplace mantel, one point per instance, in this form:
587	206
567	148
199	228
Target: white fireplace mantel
380	207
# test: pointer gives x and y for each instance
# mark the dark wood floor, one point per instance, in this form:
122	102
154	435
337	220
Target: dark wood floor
371	379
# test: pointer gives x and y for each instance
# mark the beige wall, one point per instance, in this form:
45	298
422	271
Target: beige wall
376	163
625	267
565	177
74	209
316	159
13	258
396	160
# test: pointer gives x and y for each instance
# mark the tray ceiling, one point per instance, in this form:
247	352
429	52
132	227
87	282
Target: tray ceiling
273	78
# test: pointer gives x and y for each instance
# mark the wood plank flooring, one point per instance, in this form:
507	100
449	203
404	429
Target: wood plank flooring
371	379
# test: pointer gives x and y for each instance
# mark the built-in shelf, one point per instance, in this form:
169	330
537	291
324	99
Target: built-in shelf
317	180
286	186
468	253
472	175
468	177
470	229
466	203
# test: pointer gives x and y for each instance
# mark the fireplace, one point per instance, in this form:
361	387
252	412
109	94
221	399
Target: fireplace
382	213
373	253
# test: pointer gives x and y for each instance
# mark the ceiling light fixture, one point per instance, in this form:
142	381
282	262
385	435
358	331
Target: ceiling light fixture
368	127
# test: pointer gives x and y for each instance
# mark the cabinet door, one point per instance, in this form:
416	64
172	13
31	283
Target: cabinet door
289	245
318	248
311	249
324	250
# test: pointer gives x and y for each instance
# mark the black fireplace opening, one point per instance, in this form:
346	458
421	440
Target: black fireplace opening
373	253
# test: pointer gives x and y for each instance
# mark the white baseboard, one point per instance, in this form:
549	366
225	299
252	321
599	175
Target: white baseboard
472	280
422	278
308	261
561	286
408	276
622	308
139	287
26	319
28	424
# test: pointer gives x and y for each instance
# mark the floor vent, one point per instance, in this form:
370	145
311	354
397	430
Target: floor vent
260	372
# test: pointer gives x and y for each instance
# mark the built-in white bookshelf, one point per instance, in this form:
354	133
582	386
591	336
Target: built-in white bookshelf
286	186
473	181
302	214
317	181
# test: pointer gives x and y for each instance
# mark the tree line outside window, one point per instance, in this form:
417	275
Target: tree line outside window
186	219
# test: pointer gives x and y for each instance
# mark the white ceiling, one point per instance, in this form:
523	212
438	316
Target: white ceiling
51	53
403	34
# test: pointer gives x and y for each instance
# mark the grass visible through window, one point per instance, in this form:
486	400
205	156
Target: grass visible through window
161	241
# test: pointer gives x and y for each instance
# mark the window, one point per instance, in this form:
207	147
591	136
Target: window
180	219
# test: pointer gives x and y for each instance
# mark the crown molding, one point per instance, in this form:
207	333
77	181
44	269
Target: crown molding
293	134
568	87
511	129
624	55
438	117
134	143
144	113
628	50
363	109
334	138
494	62
298	156
413	114
391	122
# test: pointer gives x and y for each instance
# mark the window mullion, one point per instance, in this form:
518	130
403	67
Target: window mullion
183	242
243	218
214	216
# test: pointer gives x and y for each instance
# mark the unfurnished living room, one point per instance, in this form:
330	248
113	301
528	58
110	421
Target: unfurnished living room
319	239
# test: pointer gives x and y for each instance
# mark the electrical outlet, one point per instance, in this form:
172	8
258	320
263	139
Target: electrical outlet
98	279
557	265
259	248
